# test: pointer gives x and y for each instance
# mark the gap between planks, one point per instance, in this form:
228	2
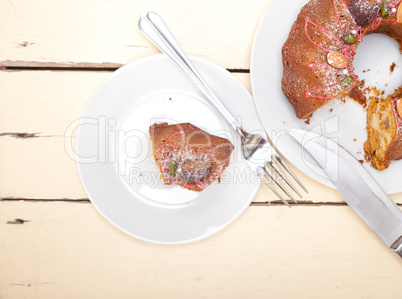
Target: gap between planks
84	67
256	204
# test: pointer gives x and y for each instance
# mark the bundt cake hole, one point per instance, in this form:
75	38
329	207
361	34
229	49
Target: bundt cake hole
377	53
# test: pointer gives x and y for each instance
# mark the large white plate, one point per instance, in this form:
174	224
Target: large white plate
346	122
115	164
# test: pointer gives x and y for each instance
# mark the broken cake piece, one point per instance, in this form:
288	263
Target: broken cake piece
384	131
188	156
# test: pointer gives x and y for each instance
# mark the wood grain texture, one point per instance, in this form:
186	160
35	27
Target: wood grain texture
98	33
67	250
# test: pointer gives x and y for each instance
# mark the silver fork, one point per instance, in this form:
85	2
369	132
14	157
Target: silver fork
260	155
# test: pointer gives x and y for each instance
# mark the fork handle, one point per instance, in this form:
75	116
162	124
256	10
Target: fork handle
153	27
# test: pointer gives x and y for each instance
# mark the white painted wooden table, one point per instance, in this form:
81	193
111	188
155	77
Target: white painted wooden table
54	244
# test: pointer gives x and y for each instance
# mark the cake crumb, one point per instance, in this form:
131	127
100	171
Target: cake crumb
170	99
392	67
307	121
361	161
358	96
330	110
354	139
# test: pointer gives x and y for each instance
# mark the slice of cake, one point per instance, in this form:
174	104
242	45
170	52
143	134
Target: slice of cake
188	156
384	131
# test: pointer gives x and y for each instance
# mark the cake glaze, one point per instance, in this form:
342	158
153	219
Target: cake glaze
318	66
188	156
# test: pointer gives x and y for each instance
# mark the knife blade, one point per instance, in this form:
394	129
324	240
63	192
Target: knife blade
356	185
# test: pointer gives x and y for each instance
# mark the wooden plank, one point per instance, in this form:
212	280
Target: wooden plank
42	168
105	33
44	102
36	109
38	168
47	102
67	250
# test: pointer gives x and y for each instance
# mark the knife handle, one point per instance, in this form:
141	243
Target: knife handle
397	246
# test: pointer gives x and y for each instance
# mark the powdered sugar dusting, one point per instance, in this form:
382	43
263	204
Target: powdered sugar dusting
325	23
329	39
178	148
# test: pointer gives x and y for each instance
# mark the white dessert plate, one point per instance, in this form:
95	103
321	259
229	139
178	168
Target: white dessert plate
114	151
343	121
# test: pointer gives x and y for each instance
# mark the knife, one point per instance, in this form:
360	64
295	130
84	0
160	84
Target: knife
357	187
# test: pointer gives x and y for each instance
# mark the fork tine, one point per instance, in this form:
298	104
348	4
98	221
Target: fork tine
279	172
269	173
269	185
279	159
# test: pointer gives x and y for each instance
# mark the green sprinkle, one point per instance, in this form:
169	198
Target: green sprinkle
346	82
172	168
349	39
385	10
